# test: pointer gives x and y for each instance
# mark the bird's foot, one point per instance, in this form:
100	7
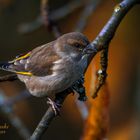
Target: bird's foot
55	106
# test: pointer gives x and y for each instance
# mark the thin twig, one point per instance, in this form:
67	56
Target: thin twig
47	20
10	77
97	45
67	9
55	15
102	74
17	98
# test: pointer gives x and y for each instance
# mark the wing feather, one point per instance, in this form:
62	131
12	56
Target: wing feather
38	62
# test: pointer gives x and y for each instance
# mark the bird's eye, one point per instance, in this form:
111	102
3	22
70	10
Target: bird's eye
79	47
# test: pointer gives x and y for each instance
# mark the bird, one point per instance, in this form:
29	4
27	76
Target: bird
52	68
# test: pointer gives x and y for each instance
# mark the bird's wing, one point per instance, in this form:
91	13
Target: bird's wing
38	62
41	60
17	65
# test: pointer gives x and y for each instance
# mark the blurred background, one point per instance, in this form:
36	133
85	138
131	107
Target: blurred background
123	69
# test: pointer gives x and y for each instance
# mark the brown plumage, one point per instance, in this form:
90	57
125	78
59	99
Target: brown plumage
53	67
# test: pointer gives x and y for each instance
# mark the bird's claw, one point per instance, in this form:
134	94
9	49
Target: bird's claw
55	106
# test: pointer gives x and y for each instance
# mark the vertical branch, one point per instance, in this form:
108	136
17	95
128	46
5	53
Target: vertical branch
47	20
97	123
102	74
45	13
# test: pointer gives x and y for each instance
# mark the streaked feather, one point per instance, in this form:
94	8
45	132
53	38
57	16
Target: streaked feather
21	57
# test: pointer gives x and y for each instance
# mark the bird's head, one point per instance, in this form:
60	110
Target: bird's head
73	43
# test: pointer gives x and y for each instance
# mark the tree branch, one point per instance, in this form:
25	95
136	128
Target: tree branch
108	31
10	77
47	20
48	117
55	15
17	98
101	41
101	74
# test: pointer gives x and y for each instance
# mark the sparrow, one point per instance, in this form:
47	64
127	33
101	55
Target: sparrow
54	67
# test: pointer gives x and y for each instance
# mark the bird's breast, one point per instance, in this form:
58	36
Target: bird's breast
65	73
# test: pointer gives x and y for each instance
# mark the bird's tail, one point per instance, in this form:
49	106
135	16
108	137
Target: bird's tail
5	66
9	66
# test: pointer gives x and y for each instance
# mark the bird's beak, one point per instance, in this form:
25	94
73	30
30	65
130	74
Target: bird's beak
89	50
